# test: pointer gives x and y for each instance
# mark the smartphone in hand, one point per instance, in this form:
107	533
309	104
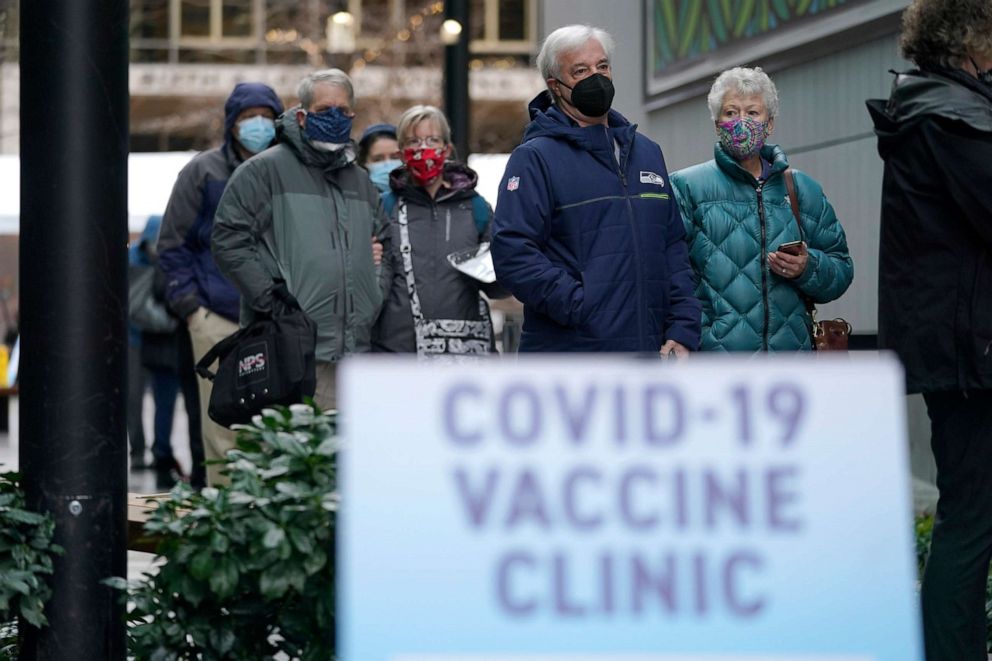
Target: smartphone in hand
791	248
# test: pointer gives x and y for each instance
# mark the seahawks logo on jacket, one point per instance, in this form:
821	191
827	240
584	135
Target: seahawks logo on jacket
652	178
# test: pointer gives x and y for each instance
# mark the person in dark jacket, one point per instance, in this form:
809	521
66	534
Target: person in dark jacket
162	345
935	292
434	210
195	289
586	233
737	213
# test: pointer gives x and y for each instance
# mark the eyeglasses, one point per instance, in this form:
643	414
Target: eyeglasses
431	142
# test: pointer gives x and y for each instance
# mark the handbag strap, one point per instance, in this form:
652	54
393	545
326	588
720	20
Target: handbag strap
217	351
790	186
406	252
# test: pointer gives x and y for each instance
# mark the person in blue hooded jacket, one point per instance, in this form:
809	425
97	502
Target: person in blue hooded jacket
587	234
196	290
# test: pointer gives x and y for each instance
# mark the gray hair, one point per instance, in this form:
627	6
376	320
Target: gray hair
413	116
330	76
566	39
746	82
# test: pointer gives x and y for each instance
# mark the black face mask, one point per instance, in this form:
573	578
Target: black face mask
983	76
592	96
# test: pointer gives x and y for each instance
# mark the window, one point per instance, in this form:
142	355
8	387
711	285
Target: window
503	26
236	18
512	20
216	20
150	19
194	18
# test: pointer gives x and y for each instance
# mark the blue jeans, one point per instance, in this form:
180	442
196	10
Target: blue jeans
165	389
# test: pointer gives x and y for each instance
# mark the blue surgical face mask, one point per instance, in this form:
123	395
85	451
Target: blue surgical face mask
331	125
256	133
379	172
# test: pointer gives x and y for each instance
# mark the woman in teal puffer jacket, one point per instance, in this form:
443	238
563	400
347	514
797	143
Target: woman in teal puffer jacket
737	214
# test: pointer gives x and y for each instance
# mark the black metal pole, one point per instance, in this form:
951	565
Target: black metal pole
73	238
456	98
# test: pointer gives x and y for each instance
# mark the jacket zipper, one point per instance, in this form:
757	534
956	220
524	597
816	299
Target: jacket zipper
764	266
633	231
344	289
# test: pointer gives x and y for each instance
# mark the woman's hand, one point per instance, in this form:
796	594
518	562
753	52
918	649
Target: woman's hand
787	265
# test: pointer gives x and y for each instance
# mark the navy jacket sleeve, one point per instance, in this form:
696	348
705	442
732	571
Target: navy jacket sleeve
684	311
519	241
176	259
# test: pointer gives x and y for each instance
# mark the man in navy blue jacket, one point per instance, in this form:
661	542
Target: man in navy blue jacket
195	289
587	233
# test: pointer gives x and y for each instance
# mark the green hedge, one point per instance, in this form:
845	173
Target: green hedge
26	555
249	567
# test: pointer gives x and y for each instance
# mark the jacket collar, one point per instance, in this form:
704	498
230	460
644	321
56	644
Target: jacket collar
547	120
460	181
948	93
771	153
290	133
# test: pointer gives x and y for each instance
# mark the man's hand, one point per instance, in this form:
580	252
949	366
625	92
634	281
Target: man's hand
672	349
376	251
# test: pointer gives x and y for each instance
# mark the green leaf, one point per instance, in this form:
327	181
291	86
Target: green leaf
202	565
273	583
224	579
274	537
301	540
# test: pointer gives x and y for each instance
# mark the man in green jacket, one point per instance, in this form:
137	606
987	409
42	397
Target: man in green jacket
305	213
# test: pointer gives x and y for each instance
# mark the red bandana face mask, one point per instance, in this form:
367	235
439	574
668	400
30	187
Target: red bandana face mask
425	165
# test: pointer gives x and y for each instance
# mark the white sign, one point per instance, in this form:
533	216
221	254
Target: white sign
626	510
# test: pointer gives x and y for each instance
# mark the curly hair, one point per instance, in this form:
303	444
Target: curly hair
941	33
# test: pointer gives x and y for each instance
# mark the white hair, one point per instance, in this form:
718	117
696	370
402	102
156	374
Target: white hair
746	82
567	39
330	76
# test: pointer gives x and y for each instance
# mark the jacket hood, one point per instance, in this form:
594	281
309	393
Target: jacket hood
248	95
461	181
290	133
771	153
547	120
947	93
139	251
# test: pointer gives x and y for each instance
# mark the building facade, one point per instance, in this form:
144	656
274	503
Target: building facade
187	55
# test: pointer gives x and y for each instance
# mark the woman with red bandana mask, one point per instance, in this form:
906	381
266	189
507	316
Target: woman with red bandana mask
433	308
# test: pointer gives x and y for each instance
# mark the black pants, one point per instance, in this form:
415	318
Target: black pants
954	582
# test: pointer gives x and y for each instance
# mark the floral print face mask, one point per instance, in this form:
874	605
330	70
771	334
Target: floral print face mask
742	137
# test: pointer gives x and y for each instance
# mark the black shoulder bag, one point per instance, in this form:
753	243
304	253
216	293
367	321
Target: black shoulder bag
272	361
